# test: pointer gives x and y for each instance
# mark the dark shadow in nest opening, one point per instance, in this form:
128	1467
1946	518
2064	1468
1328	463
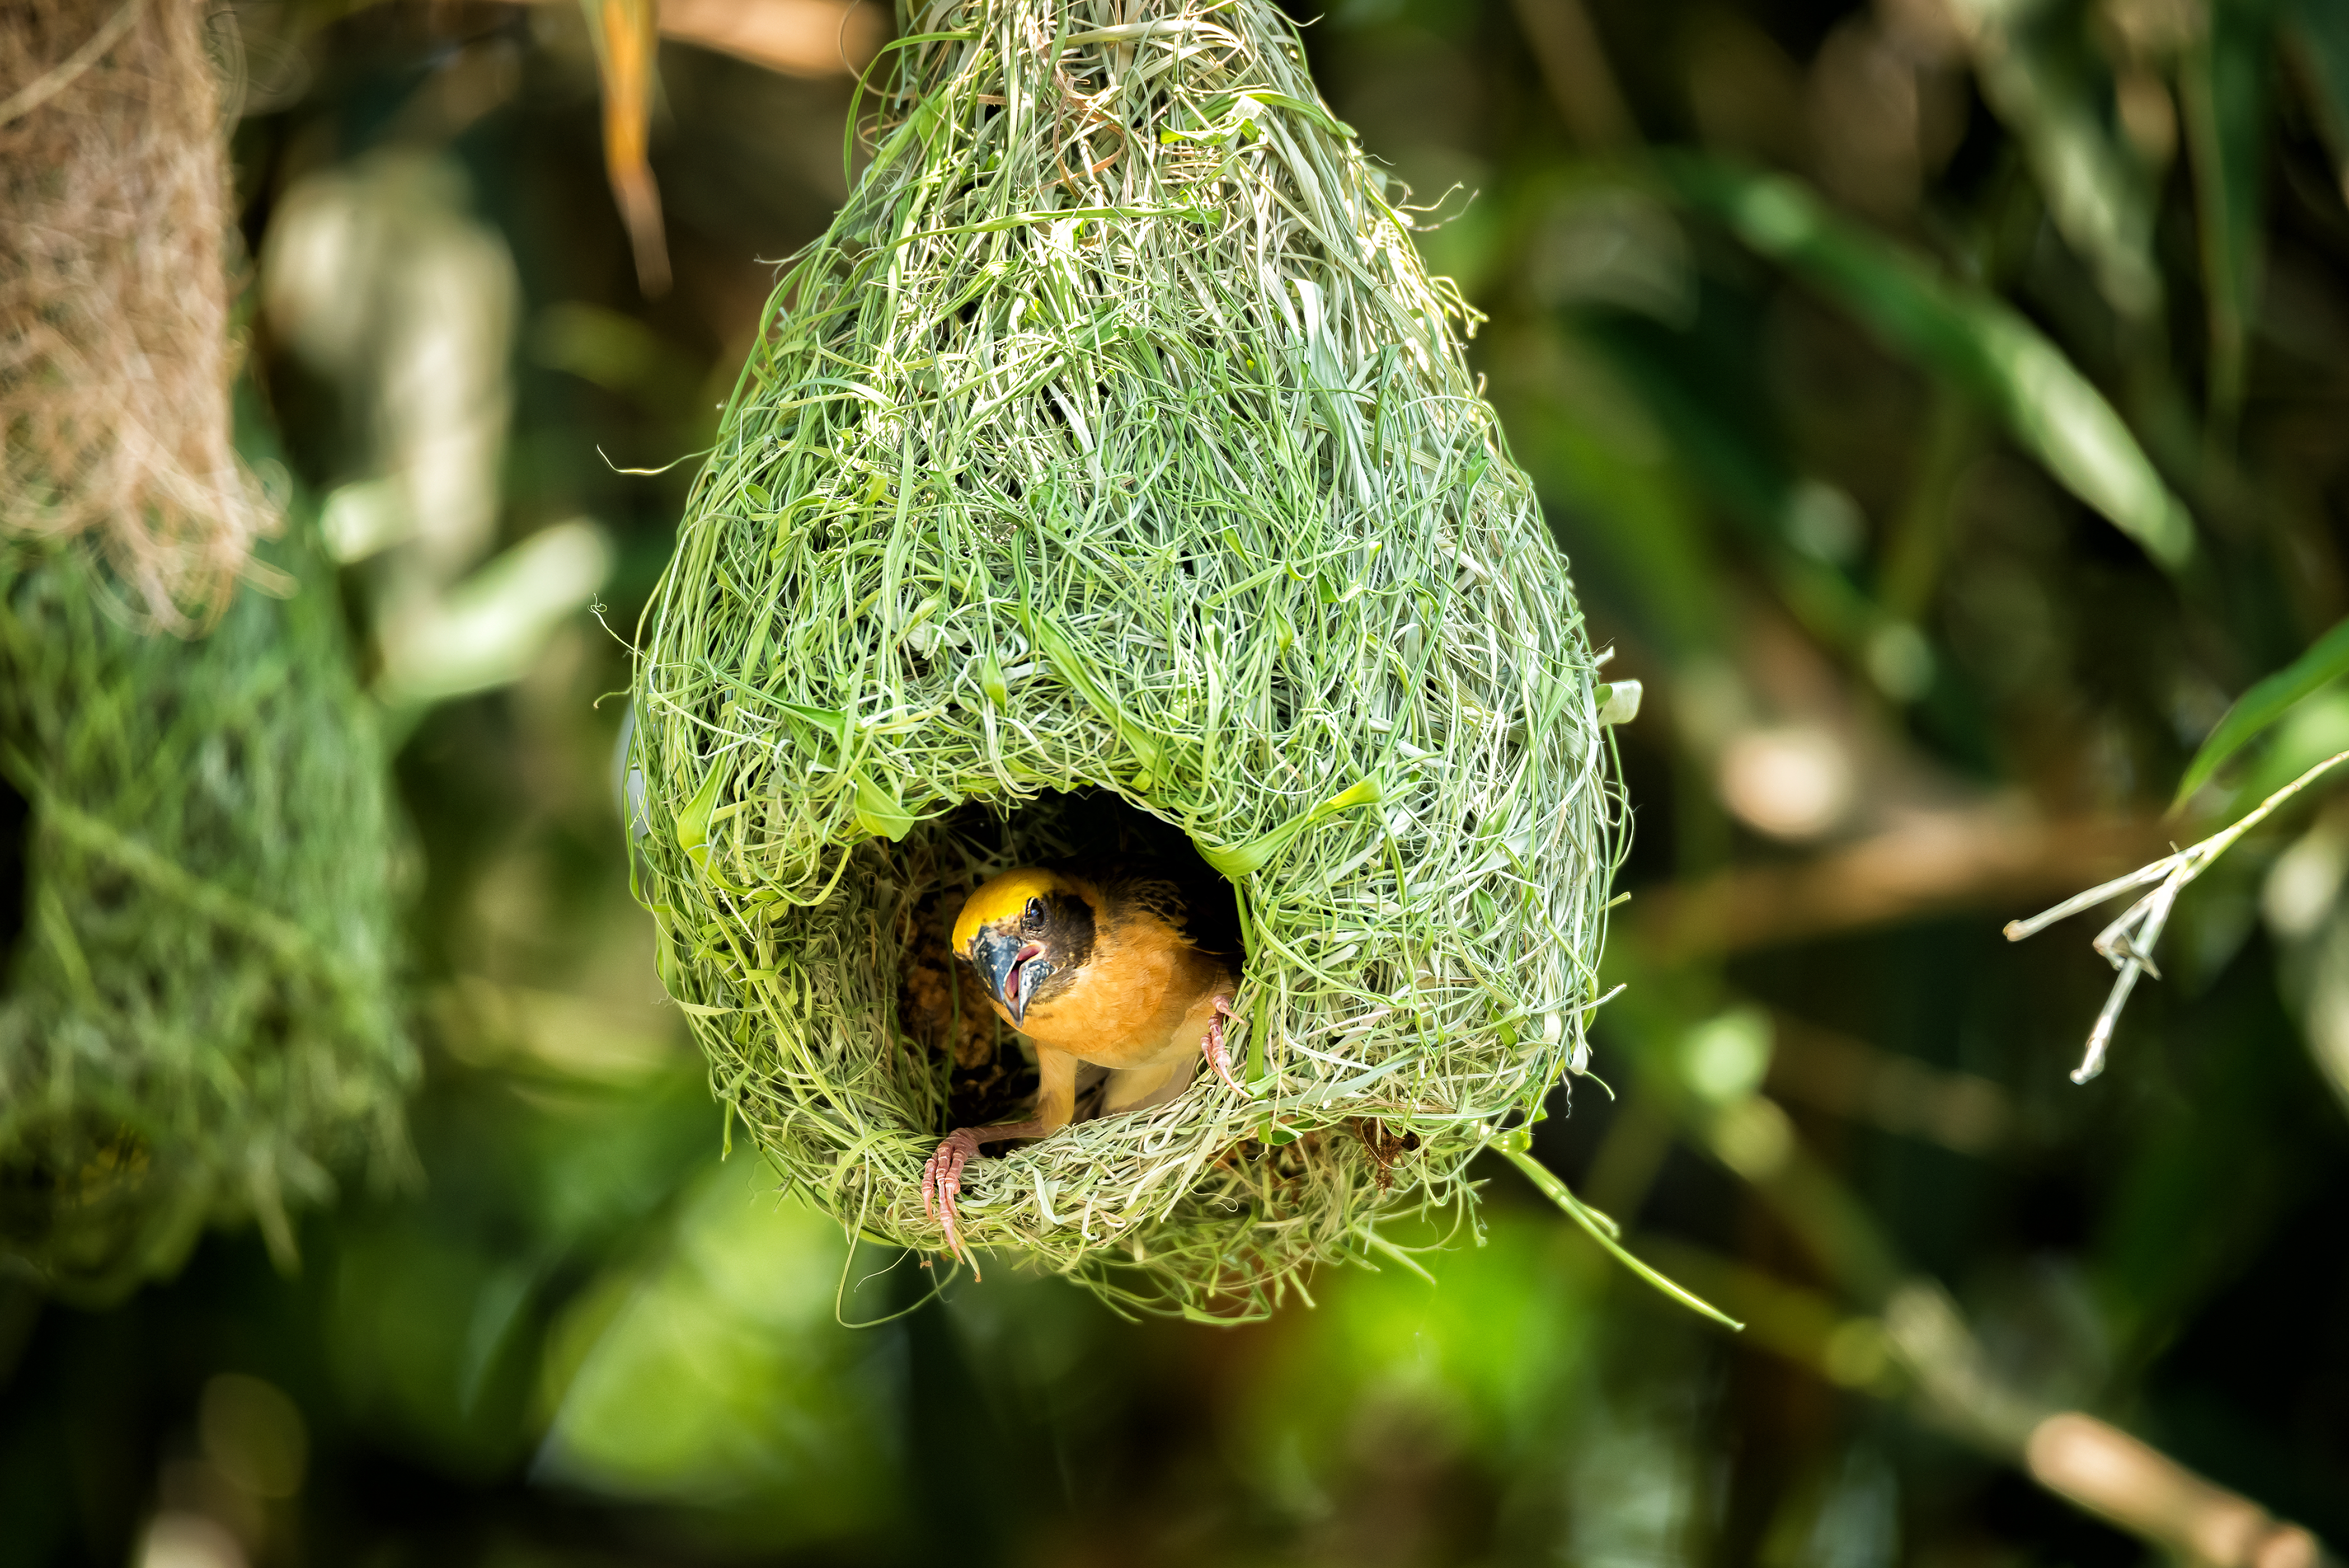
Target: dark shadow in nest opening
941	1005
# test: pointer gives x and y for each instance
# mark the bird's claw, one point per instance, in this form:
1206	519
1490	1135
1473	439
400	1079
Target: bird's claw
1217	1057
942	1183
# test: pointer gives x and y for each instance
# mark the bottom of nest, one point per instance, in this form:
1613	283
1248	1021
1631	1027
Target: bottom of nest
97	1215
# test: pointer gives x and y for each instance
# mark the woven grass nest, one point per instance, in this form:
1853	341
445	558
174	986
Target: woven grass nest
116	255
198	1021
1114	447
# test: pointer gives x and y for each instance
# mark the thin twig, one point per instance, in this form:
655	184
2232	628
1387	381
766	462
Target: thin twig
2128	943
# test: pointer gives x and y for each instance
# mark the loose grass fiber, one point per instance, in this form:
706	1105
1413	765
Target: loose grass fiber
1114	439
196	1017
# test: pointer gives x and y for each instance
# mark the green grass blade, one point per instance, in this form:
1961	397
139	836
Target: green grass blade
693	821
879	811
1238	862
1396	1256
2326	660
1515	1147
1072	668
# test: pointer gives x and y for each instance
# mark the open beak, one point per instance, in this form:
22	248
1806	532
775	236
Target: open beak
1013	968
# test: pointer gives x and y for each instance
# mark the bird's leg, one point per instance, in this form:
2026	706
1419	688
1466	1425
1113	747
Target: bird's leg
942	1176
1217	1058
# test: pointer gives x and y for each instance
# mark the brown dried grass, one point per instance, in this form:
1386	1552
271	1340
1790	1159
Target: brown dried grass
116	354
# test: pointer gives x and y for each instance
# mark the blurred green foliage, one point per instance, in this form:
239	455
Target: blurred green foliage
1940	402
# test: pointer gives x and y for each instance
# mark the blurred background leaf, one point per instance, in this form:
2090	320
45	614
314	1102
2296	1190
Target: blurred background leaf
2326	661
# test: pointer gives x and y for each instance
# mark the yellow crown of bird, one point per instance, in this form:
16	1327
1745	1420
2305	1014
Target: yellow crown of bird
1003	895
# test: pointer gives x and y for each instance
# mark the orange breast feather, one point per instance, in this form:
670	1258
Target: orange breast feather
1127	1006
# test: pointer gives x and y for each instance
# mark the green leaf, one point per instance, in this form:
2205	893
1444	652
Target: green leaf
1973	339
907	138
1311	111
825	720
2269	700
881	813
991	680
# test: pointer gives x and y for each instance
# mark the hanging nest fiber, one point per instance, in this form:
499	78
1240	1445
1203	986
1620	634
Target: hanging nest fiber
115	357
196	1017
1115	443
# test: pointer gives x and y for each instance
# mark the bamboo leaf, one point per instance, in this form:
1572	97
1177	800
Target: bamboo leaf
2326	661
2048	86
2224	85
1975	340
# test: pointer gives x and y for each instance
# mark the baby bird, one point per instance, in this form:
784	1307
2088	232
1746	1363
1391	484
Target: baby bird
1107	972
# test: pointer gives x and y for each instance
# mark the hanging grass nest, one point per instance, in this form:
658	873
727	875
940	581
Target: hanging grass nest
116	223
196	1017
1115	443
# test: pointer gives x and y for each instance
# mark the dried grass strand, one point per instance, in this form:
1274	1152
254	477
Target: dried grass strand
116	354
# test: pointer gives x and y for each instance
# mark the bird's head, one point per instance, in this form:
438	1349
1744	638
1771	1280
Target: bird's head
1027	931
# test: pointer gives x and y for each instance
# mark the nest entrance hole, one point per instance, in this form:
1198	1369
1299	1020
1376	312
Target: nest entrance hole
941	1005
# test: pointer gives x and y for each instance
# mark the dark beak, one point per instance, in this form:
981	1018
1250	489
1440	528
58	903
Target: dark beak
1012	968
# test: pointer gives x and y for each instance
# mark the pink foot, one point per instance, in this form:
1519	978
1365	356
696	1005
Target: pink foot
942	1183
1217	1058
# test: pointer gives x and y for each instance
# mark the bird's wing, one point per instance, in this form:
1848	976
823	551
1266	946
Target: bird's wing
1199	909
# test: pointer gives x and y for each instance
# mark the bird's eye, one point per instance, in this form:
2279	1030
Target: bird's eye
1035	916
